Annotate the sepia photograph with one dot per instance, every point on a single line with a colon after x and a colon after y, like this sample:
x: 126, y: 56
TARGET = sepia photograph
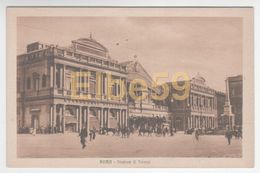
x: 124, y: 87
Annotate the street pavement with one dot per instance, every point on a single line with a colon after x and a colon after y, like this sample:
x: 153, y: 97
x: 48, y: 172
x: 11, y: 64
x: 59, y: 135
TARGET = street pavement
x: 180, y: 145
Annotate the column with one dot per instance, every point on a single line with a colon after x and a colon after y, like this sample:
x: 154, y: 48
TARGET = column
x: 61, y: 77
x: 121, y: 119
x: 54, y: 75
x: 64, y: 79
x: 54, y: 118
x: 118, y: 118
x: 191, y: 121
x: 80, y: 118
x: 88, y: 77
x: 101, y: 83
x: 105, y: 85
x: 51, y: 118
x: 51, y: 76
x: 77, y: 115
x: 197, y: 121
x: 108, y: 117
x: 191, y: 126
x: 63, y: 118
x: 126, y: 98
x: 87, y: 118
x: 119, y: 89
x: 191, y: 100
x: 199, y: 124
x: 126, y: 118
x: 108, y: 87
x: 79, y: 81
x: 104, y: 117
x: 188, y: 122
x: 101, y: 112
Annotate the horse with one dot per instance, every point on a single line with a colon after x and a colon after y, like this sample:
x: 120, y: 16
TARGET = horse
x: 143, y: 131
x: 237, y: 134
x: 125, y: 132
x: 106, y: 130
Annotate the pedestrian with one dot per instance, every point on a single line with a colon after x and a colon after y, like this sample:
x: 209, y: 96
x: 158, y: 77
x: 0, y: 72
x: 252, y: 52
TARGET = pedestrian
x: 94, y: 133
x: 228, y: 135
x: 171, y: 131
x: 34, y: 131
x: 90, y: 135
x: 83, y: 135
x: 197, y: 134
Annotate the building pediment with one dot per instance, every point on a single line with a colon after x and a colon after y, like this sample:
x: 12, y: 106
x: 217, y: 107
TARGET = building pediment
x: 136, y: 71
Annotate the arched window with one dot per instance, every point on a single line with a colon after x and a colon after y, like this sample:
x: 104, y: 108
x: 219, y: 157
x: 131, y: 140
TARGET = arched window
x: 43, y: 81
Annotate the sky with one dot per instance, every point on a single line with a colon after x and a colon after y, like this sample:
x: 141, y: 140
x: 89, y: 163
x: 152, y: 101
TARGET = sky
x: 209, y: 46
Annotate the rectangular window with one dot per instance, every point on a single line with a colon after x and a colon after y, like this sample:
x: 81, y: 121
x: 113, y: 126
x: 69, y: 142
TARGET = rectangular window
x: 18, y: 85
x: 43, y: 81
x: 57, y: 78
x: 28, y: 83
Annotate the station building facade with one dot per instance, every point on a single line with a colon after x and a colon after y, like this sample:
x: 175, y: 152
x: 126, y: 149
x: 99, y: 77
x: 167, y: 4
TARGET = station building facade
x: 147, y: 107
x: 47, y: 98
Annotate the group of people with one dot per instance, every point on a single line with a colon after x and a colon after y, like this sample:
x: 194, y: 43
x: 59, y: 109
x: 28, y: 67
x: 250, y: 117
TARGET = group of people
x: 228, y: 134
x: 119, y: 131
x: 158, y: 130
x: 236, y: 132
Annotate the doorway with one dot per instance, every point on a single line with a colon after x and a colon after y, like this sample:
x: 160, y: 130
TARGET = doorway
x: 35, y: 121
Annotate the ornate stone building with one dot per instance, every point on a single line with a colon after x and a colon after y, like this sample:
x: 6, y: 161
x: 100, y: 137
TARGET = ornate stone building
x: 236, y: 97
x: 232, y: 115
x: 49, y: 100
x: 197, y: 110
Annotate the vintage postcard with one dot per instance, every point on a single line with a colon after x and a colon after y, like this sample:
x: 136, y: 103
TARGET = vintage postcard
x: 130, y: 87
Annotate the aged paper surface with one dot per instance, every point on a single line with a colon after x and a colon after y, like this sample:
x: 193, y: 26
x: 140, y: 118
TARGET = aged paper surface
x: 130, y: 87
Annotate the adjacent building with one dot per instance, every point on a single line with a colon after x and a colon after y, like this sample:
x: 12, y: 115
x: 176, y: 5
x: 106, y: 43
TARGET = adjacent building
x: 236, y: 97
x: 197, y: 110
x: 234, y: 102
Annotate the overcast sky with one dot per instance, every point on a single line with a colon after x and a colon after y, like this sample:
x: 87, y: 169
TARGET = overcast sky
x: 210, y: 46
